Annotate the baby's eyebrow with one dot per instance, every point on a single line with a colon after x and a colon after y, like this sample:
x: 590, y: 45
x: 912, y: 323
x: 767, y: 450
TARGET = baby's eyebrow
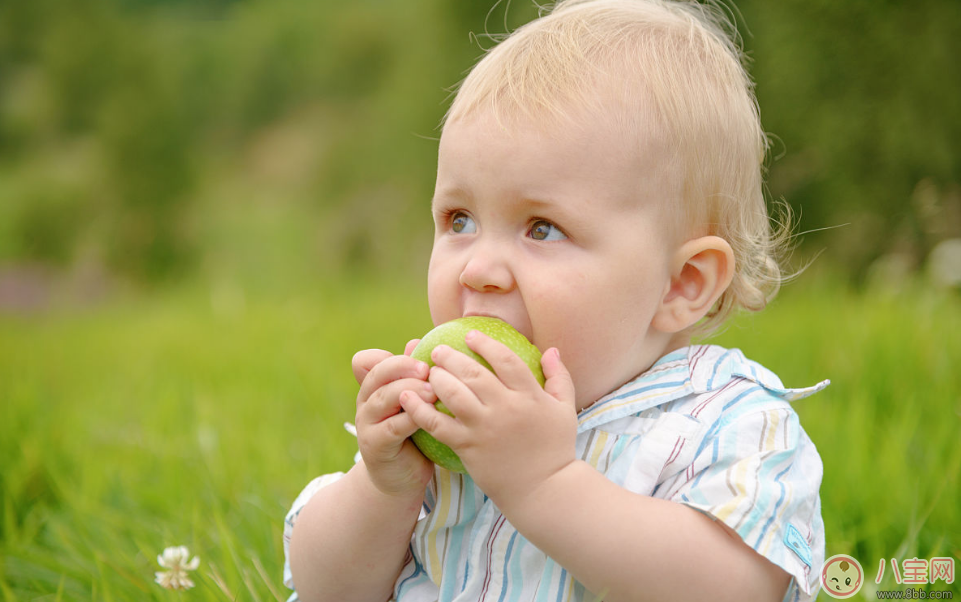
x: 450, y: 195
x: 556, y: 208
x: 539, y: 203
x: 536, y: 203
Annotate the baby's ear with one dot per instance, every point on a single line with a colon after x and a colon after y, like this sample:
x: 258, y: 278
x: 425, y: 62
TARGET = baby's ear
x: 701, y: 271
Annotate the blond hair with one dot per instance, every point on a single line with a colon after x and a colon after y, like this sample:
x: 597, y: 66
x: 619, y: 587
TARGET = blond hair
x: 677, y: 58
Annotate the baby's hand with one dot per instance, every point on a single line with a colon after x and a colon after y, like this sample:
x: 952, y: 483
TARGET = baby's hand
x: 510, y: 433
x: 395, y: 465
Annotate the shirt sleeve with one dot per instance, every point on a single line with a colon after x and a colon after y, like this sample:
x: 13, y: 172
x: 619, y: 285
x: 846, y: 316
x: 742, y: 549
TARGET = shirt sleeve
x: 291, y: 519
x: 759, y: 474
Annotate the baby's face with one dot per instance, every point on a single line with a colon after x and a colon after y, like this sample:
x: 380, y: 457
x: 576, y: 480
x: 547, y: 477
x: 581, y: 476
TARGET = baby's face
x: 560, y: 232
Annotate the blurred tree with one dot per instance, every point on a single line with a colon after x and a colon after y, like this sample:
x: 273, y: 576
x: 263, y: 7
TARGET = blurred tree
x: 863, y: 98
x: 45, y: 230
x: 144, y: 128
x: 103, y: 79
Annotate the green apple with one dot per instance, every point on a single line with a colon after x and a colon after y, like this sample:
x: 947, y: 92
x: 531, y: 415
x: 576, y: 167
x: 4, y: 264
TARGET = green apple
x: 452, y: 334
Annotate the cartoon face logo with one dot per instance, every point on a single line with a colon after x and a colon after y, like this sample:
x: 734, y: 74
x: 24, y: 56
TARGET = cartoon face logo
x: 841, y: 576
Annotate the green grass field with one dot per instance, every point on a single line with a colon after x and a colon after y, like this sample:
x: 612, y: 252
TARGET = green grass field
x: 194, y: 419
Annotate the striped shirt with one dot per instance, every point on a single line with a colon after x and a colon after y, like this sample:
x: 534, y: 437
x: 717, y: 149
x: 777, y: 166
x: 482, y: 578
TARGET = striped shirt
x: 704, y: 427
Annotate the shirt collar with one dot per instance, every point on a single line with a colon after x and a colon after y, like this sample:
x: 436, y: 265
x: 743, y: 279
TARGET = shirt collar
x: 668, y: 379
x: 690, y: 370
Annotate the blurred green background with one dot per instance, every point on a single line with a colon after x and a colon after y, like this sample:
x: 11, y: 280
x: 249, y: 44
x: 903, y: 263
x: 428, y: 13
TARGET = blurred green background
x: 206, y: 206
x: 264, y: 143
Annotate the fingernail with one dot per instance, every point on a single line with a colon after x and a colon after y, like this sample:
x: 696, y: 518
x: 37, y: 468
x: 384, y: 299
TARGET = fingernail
x: 471, y: 334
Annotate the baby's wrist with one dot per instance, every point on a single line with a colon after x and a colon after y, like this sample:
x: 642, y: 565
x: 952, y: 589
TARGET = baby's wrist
x: 530, y: 497
x: 393, y: 490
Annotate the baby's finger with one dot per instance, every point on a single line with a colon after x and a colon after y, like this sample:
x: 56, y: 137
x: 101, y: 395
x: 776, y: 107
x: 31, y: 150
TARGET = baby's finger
x: 457, y: 396
x: 471, y: 373
x: 392, y: 431
x: 395, y: 367
x: 559, y: 383
x: 385, y: 401
x: 409, y: 349
x: 509, y: 367
x: 383, y: 443
x: 438, y: 424
x: 364, y: 361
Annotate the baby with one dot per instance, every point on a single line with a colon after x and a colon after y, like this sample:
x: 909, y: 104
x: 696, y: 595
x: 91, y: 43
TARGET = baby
x: 599, y: 188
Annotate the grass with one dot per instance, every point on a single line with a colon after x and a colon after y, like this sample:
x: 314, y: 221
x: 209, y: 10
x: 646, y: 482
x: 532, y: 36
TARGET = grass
x: 192, y: 418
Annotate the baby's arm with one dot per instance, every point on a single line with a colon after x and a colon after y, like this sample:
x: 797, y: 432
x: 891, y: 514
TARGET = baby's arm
x: 351, y: 540
x: 627, y: 546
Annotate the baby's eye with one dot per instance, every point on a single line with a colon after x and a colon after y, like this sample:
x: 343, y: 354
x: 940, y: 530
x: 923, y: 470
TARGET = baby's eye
x: 461, y: 223
x: 544, y: 230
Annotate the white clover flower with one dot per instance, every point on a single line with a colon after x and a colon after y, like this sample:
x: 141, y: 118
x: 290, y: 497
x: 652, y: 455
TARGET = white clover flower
x: 174, y: 559
x: 350, y: 428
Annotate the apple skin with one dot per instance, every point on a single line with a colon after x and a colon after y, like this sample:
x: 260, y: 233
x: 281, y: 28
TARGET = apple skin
x: 453, y: 334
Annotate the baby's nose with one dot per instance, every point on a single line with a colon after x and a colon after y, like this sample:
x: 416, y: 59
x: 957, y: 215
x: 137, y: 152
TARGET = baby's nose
x: 488, y: 270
